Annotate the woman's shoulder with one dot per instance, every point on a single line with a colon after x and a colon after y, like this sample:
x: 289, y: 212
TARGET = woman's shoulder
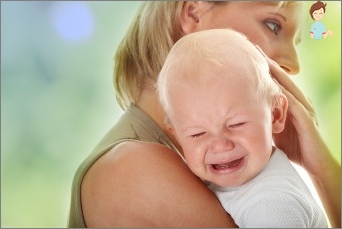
x: 140, y: 184
x: 133, y: 159
x: 139, y: 153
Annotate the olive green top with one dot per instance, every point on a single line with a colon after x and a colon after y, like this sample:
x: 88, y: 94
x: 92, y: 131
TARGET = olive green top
x: 134, y: 124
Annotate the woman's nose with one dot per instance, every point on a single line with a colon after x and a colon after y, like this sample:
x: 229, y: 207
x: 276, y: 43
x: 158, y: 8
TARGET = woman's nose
x: 221, y: 144
x: 288, y: 60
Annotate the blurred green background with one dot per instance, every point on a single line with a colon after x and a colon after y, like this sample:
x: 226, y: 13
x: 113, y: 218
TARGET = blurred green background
x: 57, y: 98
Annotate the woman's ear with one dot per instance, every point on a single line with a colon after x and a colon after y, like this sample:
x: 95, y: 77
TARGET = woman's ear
x: 190, y: 17
x: 279, y: 113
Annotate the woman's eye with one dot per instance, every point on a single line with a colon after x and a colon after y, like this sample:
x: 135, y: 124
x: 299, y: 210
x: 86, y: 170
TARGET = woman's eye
x: 275, y: 27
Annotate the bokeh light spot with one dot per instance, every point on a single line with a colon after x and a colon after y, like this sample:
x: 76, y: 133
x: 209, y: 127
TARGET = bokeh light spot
x: 73, y: 21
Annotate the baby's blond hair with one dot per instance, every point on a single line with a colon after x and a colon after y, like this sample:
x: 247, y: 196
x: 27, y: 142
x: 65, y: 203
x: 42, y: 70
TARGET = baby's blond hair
x: 198, y: 55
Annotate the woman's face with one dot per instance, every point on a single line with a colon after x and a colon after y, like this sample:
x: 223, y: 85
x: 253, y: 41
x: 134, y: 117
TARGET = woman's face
x: 272, y: 28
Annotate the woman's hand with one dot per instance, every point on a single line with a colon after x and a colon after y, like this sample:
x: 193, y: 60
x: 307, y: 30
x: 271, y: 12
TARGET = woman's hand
x: 304, y: 145
x: 300, y: 140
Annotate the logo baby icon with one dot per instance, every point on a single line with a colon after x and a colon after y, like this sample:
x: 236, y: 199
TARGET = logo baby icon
x: 318, y: 29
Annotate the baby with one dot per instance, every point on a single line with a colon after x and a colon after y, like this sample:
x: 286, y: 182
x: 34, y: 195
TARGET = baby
x: 223, y: 107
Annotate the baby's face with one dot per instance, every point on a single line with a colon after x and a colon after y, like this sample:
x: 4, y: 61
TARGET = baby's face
x: 224, y: 129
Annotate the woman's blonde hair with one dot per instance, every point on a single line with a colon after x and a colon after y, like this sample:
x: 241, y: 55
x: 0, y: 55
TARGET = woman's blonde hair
x: 143, y: 50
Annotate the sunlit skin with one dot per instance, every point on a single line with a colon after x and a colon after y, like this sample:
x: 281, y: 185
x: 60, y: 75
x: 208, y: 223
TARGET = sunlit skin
x: 220, y: 122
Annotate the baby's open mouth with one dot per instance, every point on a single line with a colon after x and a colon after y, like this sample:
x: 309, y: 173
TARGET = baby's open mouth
x: 229, y: 165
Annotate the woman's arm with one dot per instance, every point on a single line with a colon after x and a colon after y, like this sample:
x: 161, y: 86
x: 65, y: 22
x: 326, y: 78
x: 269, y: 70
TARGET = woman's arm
x: 139, y: 184
x: 303, y: 144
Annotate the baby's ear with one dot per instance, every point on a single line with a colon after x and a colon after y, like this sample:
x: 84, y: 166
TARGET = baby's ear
x: 279, y: 113
x: 169, y: 128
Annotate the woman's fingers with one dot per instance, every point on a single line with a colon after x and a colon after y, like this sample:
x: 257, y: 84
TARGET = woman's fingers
x: 284, y: 79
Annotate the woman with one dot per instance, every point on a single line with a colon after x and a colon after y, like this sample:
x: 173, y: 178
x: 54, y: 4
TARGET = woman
x: 136, y: 177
